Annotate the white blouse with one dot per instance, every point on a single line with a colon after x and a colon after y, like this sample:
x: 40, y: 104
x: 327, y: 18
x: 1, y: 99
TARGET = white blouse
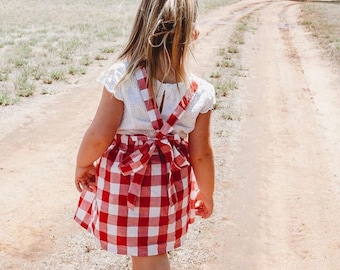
x: 135, y: 119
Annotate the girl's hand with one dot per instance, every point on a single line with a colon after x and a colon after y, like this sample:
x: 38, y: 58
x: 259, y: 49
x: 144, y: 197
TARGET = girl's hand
x: 204, y: 206
x: 85, y: 178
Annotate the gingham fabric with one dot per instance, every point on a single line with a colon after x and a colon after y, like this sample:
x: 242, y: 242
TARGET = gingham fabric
x: 145, y: 194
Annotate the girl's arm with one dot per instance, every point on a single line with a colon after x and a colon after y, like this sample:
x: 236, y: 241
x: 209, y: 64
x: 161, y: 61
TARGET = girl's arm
x: 97, y: 139
x: 202, y: 160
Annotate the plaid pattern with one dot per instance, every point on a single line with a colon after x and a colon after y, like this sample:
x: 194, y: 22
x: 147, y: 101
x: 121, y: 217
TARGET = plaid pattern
x: 154, y: 114
x: 145, y: 194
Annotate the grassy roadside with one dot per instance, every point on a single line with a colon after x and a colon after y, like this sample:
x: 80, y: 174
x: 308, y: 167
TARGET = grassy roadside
x: 205, y: 5
x: 322, y: 19
x: 44, y: 44
x: 229, y: 70
x: 47, y: 44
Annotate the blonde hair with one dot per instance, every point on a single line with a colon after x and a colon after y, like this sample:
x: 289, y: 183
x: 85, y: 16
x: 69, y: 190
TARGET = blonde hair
x: 163, y: 30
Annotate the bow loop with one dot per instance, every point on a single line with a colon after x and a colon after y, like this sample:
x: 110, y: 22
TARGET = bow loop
x: 137, y: 160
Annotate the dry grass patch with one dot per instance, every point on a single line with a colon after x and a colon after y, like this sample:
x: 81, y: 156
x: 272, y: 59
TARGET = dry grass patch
x: 323, y: 21
x: 211, y: 4
x: 43, y: 44
x: 229, y: 69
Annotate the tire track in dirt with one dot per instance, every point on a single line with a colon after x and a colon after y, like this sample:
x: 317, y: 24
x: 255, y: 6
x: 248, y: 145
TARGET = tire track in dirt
x: 37, y: 166
x: 216, y: 28
x: 315, y: 221
x: 284, y: 194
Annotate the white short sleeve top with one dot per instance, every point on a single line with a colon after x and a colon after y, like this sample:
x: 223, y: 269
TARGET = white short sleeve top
x: 135, y: 119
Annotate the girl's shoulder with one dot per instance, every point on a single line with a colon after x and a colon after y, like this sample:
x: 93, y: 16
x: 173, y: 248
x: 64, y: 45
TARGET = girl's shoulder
x: 116, y: 70
x: 119, y: 66
x: 204, y: 97
x: 112, y: 76
x: 203, y: 86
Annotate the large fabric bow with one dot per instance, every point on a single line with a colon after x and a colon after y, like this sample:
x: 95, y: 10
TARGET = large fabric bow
x: 136, y: 164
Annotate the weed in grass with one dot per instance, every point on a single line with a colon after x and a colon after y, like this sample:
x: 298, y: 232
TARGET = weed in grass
x: 82, y: 70
x: 6, y: 69
x: 18, y: 61
x: 86, y: 60
x: 229, y: 115
x: 99, y: 57
x: 239, y: 41
x: 65, y: 56
x: 58, y: 75
x: 47, y: 80
x: 6, y: 99
x: 108, y: 50
x: 243, y: 26
x: 230, y: 85
x: 306, y: 23
x: 233, y: 50
x: 76, y: 70
x: 238, y: 73
x: 224, y: 87
x: 34, y: 71
x: 3, y: 77
x: 215, y: 75
x: 237, y: 37
x: 44, y: 91
x: 72, y: 70
x: 24, y: 87
x: 224, y: 53
x: 32, y: 41
x: 226, y: 64
x: 9, y: 42
x: 23, y: 49
x: 221, y: 51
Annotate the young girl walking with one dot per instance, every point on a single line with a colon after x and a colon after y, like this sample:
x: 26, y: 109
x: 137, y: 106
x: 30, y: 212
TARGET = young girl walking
x: 145, y: 165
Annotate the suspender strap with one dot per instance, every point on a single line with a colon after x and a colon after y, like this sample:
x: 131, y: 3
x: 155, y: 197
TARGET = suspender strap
x: 153, y: 111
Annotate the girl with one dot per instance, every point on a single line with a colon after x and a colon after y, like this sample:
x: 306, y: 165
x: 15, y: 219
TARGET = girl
x: 151, y: 135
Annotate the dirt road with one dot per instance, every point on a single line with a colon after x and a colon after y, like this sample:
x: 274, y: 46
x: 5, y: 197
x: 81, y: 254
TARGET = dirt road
x: 278, y: 173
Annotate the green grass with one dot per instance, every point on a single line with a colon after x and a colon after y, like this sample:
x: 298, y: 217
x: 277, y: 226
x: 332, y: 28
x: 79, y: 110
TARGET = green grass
x: 49, y: 41
x: 226, y: 63
x: 45, y: 42
x: 323, y: 22
x: 224, y: 87
x: 229, y: 68
x: 206, y: 5
x: 6, y: 99
x: 23, y: 86
x: 231, y: 115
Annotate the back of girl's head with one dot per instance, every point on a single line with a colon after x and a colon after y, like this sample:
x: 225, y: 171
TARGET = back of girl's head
x: 163, y: 29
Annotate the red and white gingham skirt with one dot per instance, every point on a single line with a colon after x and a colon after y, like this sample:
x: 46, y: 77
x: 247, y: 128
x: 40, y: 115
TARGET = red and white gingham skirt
x: 154, y: 225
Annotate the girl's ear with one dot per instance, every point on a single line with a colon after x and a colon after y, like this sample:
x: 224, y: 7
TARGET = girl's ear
x: 195, y: 34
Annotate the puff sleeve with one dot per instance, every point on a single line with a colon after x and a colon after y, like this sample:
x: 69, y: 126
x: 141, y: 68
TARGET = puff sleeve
x: 110, y: 78
x: 205, y: 96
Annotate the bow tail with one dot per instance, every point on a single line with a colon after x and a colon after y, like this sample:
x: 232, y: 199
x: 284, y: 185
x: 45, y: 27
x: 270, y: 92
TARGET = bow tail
x: 178, y: 163
x: 136, y: 166
x: 135, y: 189
x: 172, y: 194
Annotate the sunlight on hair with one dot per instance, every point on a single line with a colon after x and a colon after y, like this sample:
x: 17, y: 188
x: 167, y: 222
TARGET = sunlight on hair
x: 160, y: 40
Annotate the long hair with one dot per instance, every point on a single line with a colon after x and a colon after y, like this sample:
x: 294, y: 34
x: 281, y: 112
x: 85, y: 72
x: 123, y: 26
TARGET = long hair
x: 162, y: 30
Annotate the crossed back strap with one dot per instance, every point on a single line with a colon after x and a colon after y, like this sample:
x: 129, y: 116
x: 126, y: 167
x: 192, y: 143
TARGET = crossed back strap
x: 153, y: 111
